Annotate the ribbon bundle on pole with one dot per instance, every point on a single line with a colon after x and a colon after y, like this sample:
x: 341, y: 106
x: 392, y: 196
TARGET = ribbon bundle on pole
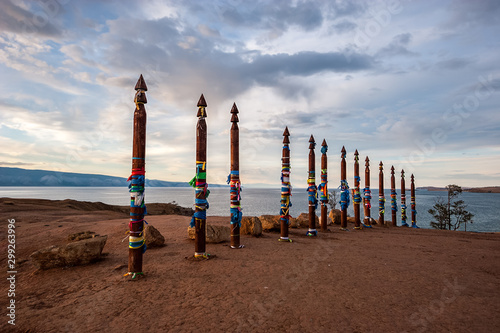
x: 381, y: 196
x: 286, y: 188
x: 367, y: 195
x: 344, y: 191
x: 322, y: 188
x: 137, y: 244
x: 234, y: 180
x: 312, y: 189
x: 394, y: 200
x: 403, y: 200
x: 356, y: 196
x: 413, y: 204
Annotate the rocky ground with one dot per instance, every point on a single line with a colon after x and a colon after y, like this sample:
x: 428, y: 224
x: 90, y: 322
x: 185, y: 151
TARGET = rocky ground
x: 378, y: 280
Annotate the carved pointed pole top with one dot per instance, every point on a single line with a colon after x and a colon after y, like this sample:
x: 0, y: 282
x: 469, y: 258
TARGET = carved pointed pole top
x: 392, y: 170
x: 381, y: 166
x: 234, y: 114
x: 343, y: 152
x: 367, y: 161
x: 356, y: 156
x: 234, y: 109
x: 402, y: 173
x: 141, y: 84
x: 286, y: 134
x: 202, y: 104
x: 412, y: 178
x: 312, y: 143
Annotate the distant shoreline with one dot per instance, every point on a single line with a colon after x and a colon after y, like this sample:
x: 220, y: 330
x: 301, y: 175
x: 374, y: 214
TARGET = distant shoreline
x: 488, y: 189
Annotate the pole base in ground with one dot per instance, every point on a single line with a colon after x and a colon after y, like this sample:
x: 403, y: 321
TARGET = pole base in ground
x: 414, y: 225
x: 405, y: 225
x: 312, y: 232
x: 135, y: 275
x: 284, y: 239
x: 237, y: 247
x: 202, y: 256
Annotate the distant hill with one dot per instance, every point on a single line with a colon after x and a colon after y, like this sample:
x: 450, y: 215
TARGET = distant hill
x: 24, y: 177
x: 489, y: 189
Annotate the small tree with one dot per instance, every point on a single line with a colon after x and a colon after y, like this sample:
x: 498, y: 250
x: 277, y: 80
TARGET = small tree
x: 333, y: 199
x: 451, y: 214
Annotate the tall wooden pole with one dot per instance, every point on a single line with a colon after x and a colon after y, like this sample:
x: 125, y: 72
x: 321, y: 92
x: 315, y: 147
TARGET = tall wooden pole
x: 356, y: 196
x: 403, y: 200
x: 311, y: 189
x: 234, y: 180
x: 381, y: 196
x: 344, y: 191
x: 413, y: 204
x: 367, y: 195
x: 286, y: 188
x: 137, y: 244
x: 201, y: 186
x: 323, y: 187
x: 394, y: 202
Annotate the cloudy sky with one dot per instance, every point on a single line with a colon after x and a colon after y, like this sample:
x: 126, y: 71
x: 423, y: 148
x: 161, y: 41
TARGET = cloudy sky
x: 414, y: 84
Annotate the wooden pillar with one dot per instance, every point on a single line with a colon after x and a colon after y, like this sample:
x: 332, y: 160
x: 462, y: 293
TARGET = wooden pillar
x: 137, y: 244
x: 323, y: 187
x: 413, y: 204
x: 367, y: 195
x: 201, y: 186
x: 311, y: 189
x: 356, y: 195
x: 234, y: 180
x: 403, y: 200
x: 286, y: 188
x: 381, y: 196
x: 344, y: 191
x: 394, y: 202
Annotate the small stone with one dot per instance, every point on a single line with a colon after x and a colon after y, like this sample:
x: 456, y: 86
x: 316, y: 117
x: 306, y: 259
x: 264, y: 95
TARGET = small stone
x: 335, y: 216
x: 270, y: 222
x: 251, y: 225
x: 153, y: 237
x: 303, y: 221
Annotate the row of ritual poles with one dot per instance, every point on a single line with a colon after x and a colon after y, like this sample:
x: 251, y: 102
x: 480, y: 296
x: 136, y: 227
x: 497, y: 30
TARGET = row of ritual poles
x: 321, y: 191
x: 137, y: 245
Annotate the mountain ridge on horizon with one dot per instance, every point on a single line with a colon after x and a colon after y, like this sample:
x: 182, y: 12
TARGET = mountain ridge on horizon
x: 10, y: 176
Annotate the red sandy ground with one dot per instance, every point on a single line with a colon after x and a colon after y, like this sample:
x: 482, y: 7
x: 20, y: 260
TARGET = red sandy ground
x: 379, y: 280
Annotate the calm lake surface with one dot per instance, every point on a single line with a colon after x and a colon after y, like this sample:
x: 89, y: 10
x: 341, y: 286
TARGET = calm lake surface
x: 256, y: 202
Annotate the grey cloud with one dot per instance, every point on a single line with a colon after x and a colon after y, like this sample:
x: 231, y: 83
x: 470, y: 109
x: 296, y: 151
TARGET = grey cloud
x: 466, y: 12
x: 454, y: 63
x: 397, y: 47
x: 37, y: 20
x: 344, y: 26
x: 274, y: 15
x: 190, y: 62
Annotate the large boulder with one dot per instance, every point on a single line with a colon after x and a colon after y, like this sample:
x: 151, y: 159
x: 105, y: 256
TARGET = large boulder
x: 270, y: 222
x: 251, y: 225
x: 335, y: 216
x: 302, y: 221
x: 153, y: 237
x: 214, y: 233
x: 81, y: 252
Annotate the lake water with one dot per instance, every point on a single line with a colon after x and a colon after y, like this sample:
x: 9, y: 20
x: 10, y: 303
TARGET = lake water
x: 256, y: 202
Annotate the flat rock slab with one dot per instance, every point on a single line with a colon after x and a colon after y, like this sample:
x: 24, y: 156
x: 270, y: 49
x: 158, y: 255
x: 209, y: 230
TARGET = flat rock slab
x: 76, y: 253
